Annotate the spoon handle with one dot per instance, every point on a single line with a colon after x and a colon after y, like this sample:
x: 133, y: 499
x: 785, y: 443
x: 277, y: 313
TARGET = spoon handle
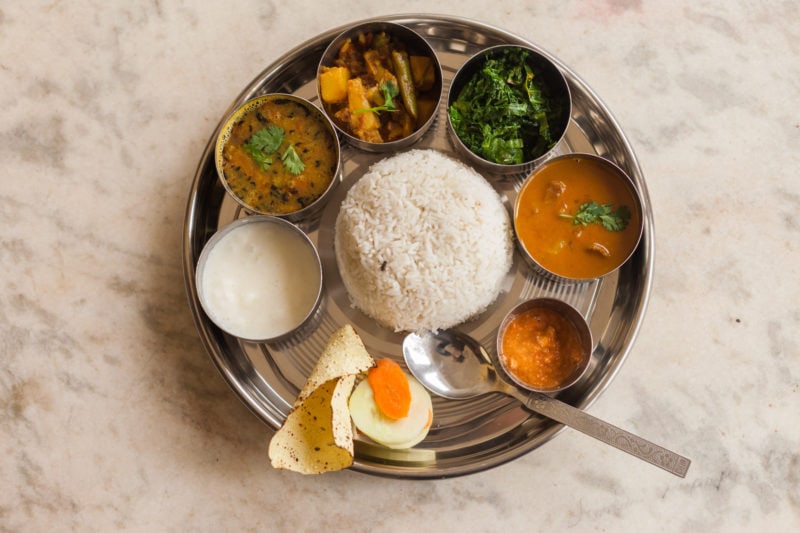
x: 608, y: 433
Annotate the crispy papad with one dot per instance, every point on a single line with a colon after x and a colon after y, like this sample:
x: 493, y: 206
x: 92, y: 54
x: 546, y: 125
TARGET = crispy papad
x: 317, y: 436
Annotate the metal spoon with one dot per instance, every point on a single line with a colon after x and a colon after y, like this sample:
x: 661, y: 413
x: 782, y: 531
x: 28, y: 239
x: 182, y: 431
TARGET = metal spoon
x: 453, y: 365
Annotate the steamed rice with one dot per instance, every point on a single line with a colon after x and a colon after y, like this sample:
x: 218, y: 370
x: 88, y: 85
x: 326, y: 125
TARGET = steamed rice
x: 422, y: 242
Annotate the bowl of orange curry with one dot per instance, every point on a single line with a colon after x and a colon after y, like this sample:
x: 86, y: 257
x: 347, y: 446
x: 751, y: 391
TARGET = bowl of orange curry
x: 577, y: 217
x: 544, y: 345
x: 279, y: 155
x: 380, y: 83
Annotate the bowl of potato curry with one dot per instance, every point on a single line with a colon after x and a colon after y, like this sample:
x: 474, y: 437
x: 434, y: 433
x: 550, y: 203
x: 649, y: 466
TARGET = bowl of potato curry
x: 380, y: 83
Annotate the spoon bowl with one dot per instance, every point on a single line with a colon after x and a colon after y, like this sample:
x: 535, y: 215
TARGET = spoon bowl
x: 453, y: 365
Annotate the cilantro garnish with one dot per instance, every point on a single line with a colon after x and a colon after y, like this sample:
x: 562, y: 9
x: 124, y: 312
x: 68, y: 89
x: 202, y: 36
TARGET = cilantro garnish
x: 263, y: 143
x: 390, y: 90
x: 292, y: 162
x: 605, y: 214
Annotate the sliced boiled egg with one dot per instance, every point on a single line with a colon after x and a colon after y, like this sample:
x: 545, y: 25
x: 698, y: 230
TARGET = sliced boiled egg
x: 391, y: 430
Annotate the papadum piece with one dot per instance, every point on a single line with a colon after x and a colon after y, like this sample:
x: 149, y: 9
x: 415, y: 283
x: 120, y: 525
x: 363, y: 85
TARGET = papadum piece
x: 317, y: 435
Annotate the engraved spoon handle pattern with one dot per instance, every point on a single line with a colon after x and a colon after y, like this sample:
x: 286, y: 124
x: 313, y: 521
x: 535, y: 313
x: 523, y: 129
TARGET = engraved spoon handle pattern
x: 608, y: 433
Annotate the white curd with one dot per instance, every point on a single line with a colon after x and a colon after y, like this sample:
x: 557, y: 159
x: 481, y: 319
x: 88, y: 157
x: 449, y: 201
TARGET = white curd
x: 260, y: 280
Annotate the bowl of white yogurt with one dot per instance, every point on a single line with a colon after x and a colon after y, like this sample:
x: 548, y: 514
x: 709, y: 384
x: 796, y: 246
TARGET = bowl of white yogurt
x: 259, y: 278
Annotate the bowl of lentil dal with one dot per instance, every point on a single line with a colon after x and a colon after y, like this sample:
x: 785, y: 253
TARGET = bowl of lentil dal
x: 278, y: 154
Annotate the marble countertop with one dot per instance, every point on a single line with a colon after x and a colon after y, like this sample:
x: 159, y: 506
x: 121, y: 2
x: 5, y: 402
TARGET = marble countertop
x: 112, y: 416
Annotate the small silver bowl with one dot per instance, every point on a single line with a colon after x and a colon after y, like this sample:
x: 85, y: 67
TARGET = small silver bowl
x: 556, y: 94
x: 302, y: 207
x: 414, y: 44
x: 569, y: 322
x: 259, y: 278
x: 537, y: 247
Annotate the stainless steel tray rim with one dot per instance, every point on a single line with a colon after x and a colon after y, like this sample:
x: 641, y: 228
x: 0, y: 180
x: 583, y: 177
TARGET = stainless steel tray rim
x: 273, y: 414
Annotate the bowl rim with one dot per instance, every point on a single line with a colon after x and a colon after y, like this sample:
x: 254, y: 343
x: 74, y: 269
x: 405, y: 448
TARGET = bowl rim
x: 226, y: 230
x: 616, y: 170
x: 224, y: 135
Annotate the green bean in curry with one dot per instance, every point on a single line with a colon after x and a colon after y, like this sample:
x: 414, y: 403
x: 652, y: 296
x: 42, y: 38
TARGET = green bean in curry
x: 360, y: 90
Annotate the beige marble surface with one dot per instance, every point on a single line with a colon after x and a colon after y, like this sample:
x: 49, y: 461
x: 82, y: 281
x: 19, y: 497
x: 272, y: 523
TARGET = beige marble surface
x: 112, y: 417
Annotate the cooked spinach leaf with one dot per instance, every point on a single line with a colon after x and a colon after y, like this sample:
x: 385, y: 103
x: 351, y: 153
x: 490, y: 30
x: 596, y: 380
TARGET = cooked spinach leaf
x: 501, y: 113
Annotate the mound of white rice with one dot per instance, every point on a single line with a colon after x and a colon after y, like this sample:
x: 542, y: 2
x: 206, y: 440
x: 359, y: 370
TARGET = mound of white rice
x: 422, y: 242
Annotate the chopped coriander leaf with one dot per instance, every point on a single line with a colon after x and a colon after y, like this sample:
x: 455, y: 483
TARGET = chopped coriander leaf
x: 263, y: 161
x: 390, y: 90
x: 605, y: 214
x: 292, y: 162
x: 263, y: 143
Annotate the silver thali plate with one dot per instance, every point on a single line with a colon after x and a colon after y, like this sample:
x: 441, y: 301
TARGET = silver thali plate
x: 470, y: 435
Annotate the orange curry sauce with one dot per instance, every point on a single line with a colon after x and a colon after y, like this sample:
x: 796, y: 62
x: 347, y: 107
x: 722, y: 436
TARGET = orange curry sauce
x: 569, y: 250
x: 541, y: 348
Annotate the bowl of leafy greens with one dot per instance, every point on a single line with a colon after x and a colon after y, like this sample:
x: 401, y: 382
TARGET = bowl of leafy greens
x: 508, y: 107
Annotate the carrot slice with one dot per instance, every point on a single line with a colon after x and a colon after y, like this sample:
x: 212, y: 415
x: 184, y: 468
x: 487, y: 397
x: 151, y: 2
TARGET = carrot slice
x: 390, y: 388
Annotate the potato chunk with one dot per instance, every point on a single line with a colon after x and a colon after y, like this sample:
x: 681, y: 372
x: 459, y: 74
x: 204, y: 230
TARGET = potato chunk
x: 365, y: 124
x: 422, y: 72
x: 333, y: 84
